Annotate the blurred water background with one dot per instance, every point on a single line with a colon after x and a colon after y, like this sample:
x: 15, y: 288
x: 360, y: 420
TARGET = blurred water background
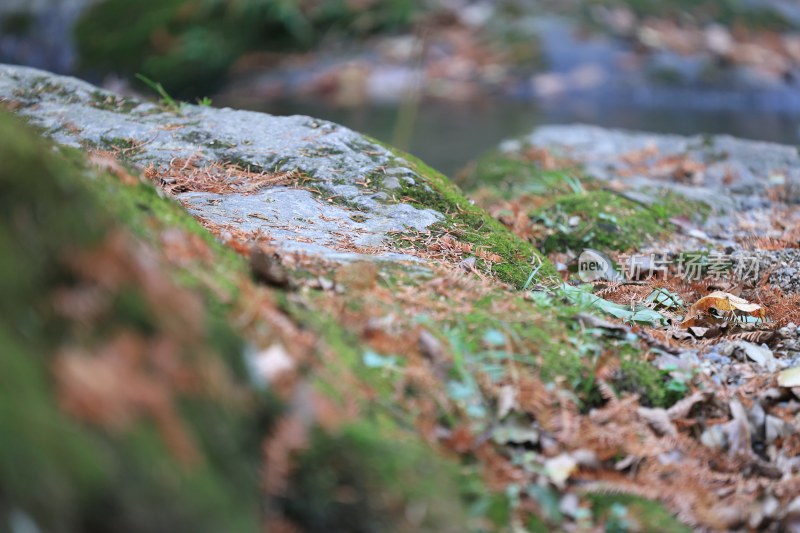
x: 444, y: 79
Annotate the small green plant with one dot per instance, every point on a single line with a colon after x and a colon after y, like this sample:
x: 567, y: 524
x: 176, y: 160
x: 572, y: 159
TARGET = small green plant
x: 533, y: 274
x: 204, y: 101
x: 678, y: 381
x: 166, y: 100
x: 574, y: 183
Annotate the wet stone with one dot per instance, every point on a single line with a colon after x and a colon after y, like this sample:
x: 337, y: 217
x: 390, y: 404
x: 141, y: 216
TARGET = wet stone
x: 314, y: 218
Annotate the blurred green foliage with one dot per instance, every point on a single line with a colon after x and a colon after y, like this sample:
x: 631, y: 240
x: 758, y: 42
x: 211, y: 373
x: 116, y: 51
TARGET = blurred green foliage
x: 188, y: 45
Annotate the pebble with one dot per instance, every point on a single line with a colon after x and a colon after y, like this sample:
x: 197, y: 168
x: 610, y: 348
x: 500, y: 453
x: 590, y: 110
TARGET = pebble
x: 391, y: 183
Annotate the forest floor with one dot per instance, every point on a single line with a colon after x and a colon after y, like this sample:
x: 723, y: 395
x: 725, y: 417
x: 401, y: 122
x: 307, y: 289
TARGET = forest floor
x: 386, y: 313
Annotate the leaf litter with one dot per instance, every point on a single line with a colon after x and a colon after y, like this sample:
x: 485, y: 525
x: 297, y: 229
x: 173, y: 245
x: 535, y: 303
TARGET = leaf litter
x: 722, y: 457
x: 187, y: 175
x: 732, y: 348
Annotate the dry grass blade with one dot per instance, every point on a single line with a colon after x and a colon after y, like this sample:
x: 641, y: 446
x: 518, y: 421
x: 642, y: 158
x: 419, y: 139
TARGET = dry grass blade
x: 184, y: 175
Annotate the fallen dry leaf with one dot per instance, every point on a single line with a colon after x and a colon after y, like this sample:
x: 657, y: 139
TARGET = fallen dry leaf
x: 789, y: 377
x: 560, y: 468
x: 725, y: 302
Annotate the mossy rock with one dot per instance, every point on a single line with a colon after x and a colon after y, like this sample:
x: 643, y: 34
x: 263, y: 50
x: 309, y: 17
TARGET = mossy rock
x: 602, y: 220
x: 509, y: 175
x: 58, y: 469
x: 68, y: 472
x: 473, y: 225
x: 571, y: 211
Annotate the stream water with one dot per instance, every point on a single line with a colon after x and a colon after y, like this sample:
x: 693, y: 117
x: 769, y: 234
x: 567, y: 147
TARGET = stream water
x: 448, y: 136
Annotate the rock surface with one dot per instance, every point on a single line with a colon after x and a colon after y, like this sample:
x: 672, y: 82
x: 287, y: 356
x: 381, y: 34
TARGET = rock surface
x: 349, y: 200
x: 752, y: 187
x: 744, y: 169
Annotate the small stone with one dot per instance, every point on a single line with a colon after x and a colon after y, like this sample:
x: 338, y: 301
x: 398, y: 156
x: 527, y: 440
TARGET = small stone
x: 398, y: 171
x: 468, y: 264
x: 714, y: 438
x: 726, y: 348
x: 774, y: 428
x: 761, y: 355
x: 570, y: 505
x: 267, y: 268
x: 791, y: 520
x: 272, y: 363
x: 718, y: 39
x: 391, y: 183
x: 325, y: 284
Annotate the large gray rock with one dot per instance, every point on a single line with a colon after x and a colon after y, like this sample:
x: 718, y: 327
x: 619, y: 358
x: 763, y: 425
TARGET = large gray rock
x: 752, y: 186
x: 349, y: 208
x: 734, y: 172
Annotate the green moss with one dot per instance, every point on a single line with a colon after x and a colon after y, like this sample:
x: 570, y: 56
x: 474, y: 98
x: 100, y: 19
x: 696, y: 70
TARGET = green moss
x: 546, y: 338
x: 572, y: 211
x: 472, y: 224
x: 381, y: 450
x: 510, y: 175
x: 598, y: 219
x: 206, y: 139
x: 45, y: 464
x: 44, y: 85
x: 65, y: 473
x: 358, y: 467
x: 623, y: 513
x: 122, y: 144
x: 237, y: 160
x: 608, y: 221
x: 112, y: 102
x: 654, y: 386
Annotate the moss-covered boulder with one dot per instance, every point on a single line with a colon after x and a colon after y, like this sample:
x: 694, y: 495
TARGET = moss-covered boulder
x: 93, y: 433
x: 575, y: 187
x: 127, y: 402
x: 322, y: 189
